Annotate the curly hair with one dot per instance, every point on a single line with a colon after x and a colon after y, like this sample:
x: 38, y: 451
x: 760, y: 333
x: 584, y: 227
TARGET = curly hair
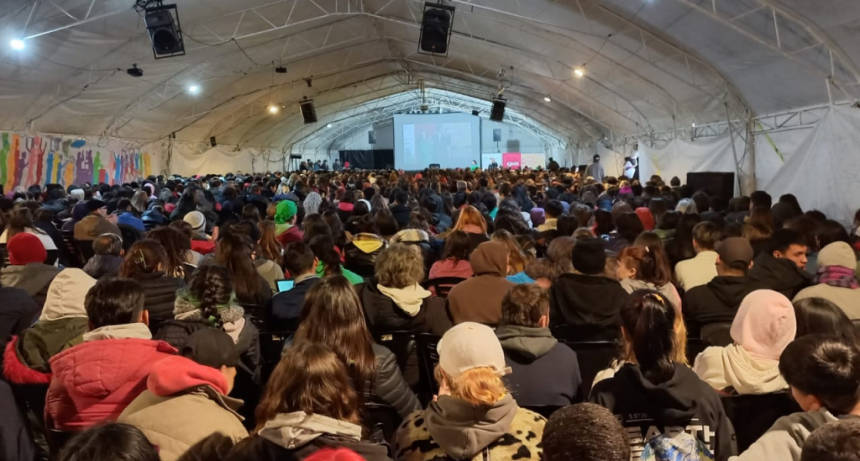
x: 399, y: 266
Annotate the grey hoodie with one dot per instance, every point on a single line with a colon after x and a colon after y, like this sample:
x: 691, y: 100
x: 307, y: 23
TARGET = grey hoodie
x: 784, y: 441
x: 462, y: 430
x: 529, y: 343
x: 34, y: 278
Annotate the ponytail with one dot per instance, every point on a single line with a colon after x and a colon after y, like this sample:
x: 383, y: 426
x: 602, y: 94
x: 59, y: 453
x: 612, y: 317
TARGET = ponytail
x: 649, y: 320
x: 650, y: 262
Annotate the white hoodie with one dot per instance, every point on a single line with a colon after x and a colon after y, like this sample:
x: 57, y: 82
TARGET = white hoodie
x: 733, y: 366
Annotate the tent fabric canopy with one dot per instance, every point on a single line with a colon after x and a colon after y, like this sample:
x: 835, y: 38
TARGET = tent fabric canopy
x: 649, y: 65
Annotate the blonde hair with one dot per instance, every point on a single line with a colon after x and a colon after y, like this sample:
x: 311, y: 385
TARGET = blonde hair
x: 399, y: 266
x: 478, y: 386
x: 470, y: 215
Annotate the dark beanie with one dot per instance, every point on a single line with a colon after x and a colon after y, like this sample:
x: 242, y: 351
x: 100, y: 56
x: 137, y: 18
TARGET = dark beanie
x: 589, y: 257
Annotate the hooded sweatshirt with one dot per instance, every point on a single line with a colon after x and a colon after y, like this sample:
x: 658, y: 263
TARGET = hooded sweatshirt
x: 780, y: 275
x: 544, y: 371
x: 652, y: 413
x: 61, y: 325
x: 590, y: 301
x: 479, y: 299
x: 34, y: 278
x: 715, y: 302
x: 784, y: 440
x: 764, y: 326
x: 457, y: 429
x: 297, y: 435
x: 184, y: 403
x: 837, y: 254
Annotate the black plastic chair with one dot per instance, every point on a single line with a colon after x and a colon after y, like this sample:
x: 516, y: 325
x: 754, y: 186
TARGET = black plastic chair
x: 718, y: 334
x: 592, y: 357
x: 753, y: 415
x: 402, y: 345
x: 695, y: 347
x: 52, y: 257
x: 428, y: 358
x: 129, y: 235
x: 382, y: 420
x: 271, y: 348
x: 442, y: 285
x: 85, y: 250
x: 72, y: 252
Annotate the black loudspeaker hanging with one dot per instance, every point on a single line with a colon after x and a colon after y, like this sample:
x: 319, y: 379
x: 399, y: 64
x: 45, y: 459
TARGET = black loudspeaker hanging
x: 309, y: 113
x: 165, y: 32
x: 497, y: 134
x: 497, y: 114
x: 371, y: 138
x: 436, y: 27
x: 212, y: 141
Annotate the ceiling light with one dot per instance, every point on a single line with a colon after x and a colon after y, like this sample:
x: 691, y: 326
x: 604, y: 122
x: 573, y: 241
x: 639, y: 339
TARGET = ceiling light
x: 17, y: 44
x: 193, y: 89
x: 579, y: 72
x: 547, y: 99
x: 273, y: 109
x: 328, y: 126
x: 694, y: 124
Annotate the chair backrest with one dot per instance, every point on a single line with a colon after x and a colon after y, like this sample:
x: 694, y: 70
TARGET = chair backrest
x: 442, y: 285
x: 4, y: 255
x: 129, y: 236
x: 53, y: 255
x: 695, y: 347
x: 271, y: 348
x: 592, y: 357
x: 428, y: 358
x: 85, y: 249
x: 382, y: 420
x: 401, y: 343
x: 753, y: 415
x: 718, y: 334
x: 74, y: 254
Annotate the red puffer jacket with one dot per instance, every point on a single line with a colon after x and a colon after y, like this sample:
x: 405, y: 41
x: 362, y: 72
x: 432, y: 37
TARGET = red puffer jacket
x: 95, y: 381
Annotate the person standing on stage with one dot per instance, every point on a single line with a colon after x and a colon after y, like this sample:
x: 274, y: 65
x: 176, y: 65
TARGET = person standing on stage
x: 336, y: 166
x: 595, y: 170
x: 629, y: 167
x: 493, y: 164
x: 474, y: 165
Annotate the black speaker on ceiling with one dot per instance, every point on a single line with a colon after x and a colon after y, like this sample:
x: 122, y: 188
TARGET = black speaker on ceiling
x: 212, y: 141
x: 165, y: 32
x: 309, y: 113
x: 719, y: 186
x: 497, y: 114
x: 436, y: 27
x: 371, y: 138
x: 497, y: 134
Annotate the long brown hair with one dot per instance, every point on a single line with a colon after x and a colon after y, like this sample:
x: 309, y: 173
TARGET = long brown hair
x: 310, y: 378
x: 20, y: 220
x: 234, y: 252
x: 332, y: 315
x: 175, y: 246
x: 144, y: 257
x: 269, y: 247
x: 517, y: 259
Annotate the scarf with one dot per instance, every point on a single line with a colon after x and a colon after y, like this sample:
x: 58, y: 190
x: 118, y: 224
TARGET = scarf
x: 837, y: 276
x: 409, y: 299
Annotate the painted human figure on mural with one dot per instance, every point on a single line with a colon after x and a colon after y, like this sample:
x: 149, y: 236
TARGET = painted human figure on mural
x: 20, y: 167
x: 62, y: 161
x: 37, y: 153
x: 98, y: 169
x: 84, y: 167
x: 117, y: 167
x: 12, y: 163
x: 4, y: 153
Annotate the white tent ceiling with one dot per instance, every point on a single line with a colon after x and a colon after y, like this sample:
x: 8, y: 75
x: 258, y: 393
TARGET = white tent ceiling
x: 650, y: 65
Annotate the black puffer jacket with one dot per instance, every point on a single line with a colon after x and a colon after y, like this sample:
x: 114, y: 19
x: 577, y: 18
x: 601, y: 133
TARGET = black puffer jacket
x: 160, y: 292
x: 383, y: 316
x: 390, y: 387
x: 360, y: 254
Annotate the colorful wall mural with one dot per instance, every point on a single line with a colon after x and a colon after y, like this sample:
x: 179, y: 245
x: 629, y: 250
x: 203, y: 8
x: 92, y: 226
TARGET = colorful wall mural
x: 26, y: 160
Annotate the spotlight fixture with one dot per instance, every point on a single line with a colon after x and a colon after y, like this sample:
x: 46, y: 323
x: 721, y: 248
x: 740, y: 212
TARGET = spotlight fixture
x: 193, y: 89
x: 17, y: 44
x: 694, y: 124
x: 274, y: 109
x: 436, y: 28
x: 280, y: 70
x: 476, y: 113
x: 328, y: 126
x: 165, y: 31
x: 547, y: 98
x: 134, y: 71
x: 309, y: 81
x: 579, y: 72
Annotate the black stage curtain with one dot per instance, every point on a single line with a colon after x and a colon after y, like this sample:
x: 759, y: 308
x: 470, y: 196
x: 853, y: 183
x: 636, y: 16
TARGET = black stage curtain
x: 378, y: 159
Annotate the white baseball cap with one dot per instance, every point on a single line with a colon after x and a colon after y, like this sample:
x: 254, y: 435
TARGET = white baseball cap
x: 471, y: 345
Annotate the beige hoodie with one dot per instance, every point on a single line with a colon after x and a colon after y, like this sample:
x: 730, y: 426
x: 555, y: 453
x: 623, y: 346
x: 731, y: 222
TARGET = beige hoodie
x: 733, y: 366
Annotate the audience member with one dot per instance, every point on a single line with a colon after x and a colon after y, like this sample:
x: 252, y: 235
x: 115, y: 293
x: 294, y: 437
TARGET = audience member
x: 479, y: 299
x: 473, y: 224
x: 186, y: 397
x: 109, y: 442
x: 286, y: 229
x: 27, y: 269
x: 95, y: 380
x: 309, y: 404
x: 474, y: 412
x: 823, y: 373
x: 763, y: 327
x: 144, y: 263
x: 332, y: 315
x: 646, y: 268
x: 836, y: 441
x: 782, y: 267
x: 836, y: 280
x: 361, y: 252
x: 96, y: 222
x: 285, y: 307
x: 455, y: 258
x: 585, y: 299
x: 177, y: 251
x: 235, y: 252
x: 126, y: 216
x: 584, y: 432
x: 553, y: 211
x: 545, y: 372
x: 702, y: 269
x: 108, y: 256
x: 647, y: 324
x: 718, y: 300
x: 820, y: 316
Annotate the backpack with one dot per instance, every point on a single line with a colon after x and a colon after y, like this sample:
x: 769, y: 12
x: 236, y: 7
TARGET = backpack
x: 678, y: 447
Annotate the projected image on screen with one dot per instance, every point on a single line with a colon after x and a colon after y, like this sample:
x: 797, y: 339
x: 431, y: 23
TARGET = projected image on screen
x: 450, y: 140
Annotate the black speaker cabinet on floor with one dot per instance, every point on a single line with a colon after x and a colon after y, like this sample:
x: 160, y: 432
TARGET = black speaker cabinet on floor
x: 719, y: 186
x: 309, y: 113
x: 436, y: 27
x: 497, y: 114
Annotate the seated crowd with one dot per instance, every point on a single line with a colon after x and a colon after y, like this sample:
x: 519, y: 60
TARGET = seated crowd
x: 441, y: 315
